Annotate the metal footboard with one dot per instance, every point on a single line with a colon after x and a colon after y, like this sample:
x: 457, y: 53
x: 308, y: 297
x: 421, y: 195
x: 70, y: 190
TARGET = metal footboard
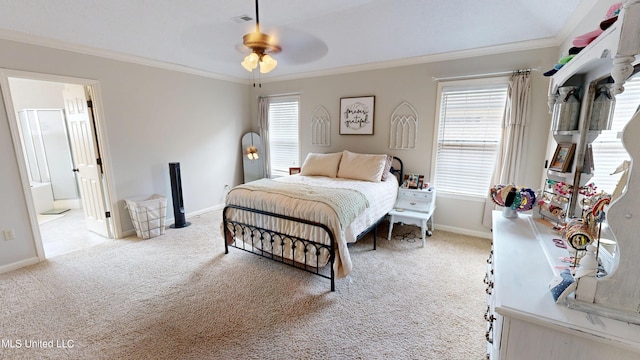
x: 235, y: 232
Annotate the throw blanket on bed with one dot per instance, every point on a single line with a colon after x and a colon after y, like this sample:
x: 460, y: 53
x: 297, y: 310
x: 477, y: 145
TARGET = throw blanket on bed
x: 347, y: 203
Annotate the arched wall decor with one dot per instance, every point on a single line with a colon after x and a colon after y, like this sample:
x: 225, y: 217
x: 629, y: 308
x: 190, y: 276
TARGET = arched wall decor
x: 320, y: 127
x: 403, y: 131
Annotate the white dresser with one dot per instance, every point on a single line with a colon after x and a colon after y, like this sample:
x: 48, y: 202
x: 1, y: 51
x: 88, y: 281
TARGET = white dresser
x: 414, y: 207
x: 523, y: 321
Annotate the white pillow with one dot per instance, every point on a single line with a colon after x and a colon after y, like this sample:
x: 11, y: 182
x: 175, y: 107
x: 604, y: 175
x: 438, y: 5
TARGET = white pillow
x: 367, y: 167
x: 321, y: 164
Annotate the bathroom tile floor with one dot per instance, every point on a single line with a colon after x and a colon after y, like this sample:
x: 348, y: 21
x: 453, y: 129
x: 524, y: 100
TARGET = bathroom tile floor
x: 67, y: 233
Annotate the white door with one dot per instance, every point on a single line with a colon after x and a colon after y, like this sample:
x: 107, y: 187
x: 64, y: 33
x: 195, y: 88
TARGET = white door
x: 85, y: 157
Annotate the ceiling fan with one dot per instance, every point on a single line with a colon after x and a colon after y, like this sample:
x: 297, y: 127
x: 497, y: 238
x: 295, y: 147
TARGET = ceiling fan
x: 299, y: 47
x: 261, y: 46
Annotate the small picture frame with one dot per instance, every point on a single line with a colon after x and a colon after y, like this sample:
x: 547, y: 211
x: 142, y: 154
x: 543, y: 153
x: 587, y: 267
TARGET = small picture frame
x: 562, y: 157
x: 294, y: 170
x: 413, y: 181
x: 357, y: 115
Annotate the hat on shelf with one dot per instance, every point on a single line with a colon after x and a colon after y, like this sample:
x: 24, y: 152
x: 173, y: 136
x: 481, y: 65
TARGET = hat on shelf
x: 610, y: 18
x: 581, y: 41
x: 575, y: 50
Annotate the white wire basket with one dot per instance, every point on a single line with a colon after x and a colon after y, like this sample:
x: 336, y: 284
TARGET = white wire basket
x: 148, y: 215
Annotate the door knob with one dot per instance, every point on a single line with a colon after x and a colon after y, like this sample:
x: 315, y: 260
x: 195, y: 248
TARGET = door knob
x: 76, y: 170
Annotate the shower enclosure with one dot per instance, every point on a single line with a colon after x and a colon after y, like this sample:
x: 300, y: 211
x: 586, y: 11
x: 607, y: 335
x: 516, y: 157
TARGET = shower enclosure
x: 45, y: 142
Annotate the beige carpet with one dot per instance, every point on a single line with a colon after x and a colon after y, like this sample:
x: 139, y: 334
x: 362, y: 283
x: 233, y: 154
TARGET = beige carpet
x: 178, y: 296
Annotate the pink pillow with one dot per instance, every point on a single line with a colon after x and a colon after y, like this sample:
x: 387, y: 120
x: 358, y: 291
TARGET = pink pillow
x: 387, y: 168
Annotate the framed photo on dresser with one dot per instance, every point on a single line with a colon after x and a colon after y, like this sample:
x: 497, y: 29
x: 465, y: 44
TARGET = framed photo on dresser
x: 562, y: 157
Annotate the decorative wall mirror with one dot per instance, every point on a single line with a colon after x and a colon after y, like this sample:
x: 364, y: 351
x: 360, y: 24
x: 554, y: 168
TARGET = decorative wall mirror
x: 252, y: 157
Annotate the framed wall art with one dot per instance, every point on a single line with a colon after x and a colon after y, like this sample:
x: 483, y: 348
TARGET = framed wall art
x: 356, y: 115
x: 562, y: 158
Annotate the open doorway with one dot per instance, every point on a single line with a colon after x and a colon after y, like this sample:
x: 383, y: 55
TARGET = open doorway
x: 54, y: 136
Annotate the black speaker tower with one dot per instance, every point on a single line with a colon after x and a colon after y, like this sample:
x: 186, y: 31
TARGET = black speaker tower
x: 176, y: 194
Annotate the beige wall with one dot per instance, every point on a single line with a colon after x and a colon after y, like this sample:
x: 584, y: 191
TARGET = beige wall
x: 151, y: 117
x: 415, y: 85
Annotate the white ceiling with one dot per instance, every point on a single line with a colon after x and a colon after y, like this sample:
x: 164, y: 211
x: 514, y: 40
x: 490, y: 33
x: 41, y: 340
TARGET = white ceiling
x: 316, y: 36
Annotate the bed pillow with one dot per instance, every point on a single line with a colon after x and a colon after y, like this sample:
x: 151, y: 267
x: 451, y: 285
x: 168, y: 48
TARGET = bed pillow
x: 387, y: 168
x: 321, y: 164
x: 367, y: 167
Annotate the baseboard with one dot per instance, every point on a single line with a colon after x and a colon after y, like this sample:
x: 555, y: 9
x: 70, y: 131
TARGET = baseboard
x: 171, y: 220
x: 18, y: 264
x: 127, y: 233
x: 204, y: 211
x: 462, y: 231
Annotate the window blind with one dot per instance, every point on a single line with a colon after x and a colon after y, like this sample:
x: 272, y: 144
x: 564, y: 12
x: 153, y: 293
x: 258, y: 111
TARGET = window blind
x: 469, y: 131
x: 608, y: 151
x: 283, y: 134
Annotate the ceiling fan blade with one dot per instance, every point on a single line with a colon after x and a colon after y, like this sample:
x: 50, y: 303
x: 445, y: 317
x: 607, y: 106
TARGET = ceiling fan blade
x: 241, y: 48
x: 299, y: 47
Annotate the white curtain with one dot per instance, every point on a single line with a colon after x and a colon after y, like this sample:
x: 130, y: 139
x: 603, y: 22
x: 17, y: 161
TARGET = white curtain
x: 507, y: 168
x: 263, y: 124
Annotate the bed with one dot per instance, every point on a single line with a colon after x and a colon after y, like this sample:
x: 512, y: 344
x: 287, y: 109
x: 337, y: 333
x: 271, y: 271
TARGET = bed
x: 309, y: 219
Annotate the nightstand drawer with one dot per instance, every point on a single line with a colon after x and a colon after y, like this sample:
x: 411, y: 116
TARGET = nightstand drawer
x: 415, y: 194
x: 415, y: 200
x: 421, y: 205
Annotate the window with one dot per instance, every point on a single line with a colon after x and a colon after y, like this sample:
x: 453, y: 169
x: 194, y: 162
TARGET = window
x: 608, y: 151
x: 283, y: 134
x: 469, y: 131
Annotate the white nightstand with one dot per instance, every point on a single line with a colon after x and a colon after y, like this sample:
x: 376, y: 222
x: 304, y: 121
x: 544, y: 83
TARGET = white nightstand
x: 414, y: 207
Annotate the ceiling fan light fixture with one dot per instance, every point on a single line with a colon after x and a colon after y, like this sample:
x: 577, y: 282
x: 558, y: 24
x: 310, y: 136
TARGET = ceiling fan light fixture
x: 260, y: 44
x: 267, y: 63
x: 250, y: 62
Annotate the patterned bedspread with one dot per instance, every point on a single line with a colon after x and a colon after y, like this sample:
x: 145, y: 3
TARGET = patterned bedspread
x: 347, y: 203
x: 379, y: 196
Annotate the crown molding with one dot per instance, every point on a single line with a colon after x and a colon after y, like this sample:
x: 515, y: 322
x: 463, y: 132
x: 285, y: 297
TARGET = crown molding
x: 108, y: 54
x: 447, y: 56
x: 453, y: 55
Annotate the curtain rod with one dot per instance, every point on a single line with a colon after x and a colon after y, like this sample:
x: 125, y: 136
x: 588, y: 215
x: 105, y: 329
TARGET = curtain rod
x: 476, y: 76
x: 283, y: 94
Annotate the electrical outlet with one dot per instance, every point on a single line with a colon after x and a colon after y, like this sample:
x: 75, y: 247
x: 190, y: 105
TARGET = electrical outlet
x: 8, y: 234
